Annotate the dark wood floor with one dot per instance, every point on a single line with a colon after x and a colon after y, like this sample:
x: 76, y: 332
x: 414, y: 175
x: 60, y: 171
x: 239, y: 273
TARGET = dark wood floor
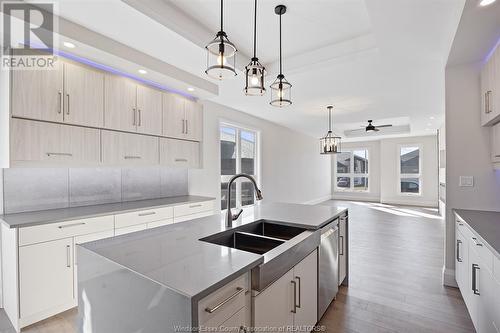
x: 396, y: 260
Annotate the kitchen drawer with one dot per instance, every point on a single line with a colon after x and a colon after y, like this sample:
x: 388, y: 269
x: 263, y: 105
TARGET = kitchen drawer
x: 144, y: 216
x: 128, y: 230
x: 485, y: 255
x: 234, y: 323
x: 160, y: 223
x: 192, y: 216
x: 193, y: 208
x: 223, y: 303
x: 47, y: 232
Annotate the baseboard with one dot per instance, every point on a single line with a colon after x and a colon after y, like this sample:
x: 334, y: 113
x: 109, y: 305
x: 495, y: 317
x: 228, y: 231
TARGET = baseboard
x: 339, y: 196
x: 417, y: 203
x: 449, y: 277
x: 318, y: 200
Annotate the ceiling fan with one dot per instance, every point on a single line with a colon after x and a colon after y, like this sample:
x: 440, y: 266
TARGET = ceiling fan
x: 373, y: 128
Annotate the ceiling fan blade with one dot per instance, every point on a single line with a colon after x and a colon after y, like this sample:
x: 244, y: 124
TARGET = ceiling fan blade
x: 384, y: 126
x: 376, y: 129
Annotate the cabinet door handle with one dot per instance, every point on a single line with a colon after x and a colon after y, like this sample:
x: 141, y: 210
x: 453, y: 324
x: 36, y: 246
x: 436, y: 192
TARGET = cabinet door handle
x: 187, y: 129
x: 238, y: 291
x: 194, y: 206
x: 132, y: 157
x: 183, y: 127
x: 134, y: 122
x: 341, y: 245
x: 147, y: 213
x: 60, y: 154
x: 488, y: 100
x: 140, y: 117
x: 71, y: 225
x: 458, y: 250
x: 294, y: 310
x: 67, y: 104
x: 475, y: 268
x: 300, y: 292
x: 68, y: 256
x: 181, y: 160
x: 59, y: 110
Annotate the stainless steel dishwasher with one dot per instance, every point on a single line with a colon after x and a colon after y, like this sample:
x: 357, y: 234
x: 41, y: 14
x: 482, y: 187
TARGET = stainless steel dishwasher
x: 328, y: 266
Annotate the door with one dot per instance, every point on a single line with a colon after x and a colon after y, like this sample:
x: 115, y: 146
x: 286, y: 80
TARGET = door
x: 120, y: 111
x: 489, y: 111
x: 342, y: 250
x: 461, y: 258
x: 486, y: 305
x: 83, y: 96
x: 472, y: 288
x: 129, y: 149
x: 149, y: 110
x: 273, y: 306
x: 179, y: 153
x: 306, y: 275
x: 45, y: 276
x: 174, y: 116
x: 194, y: 120
x: 37, y: 94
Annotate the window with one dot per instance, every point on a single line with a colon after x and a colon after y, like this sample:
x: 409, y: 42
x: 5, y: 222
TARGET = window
x: 409, y: 170
x: 238, y: 154
x: 352, y: 170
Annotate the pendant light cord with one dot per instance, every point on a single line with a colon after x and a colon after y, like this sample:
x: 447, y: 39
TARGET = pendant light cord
x: 281, y: 66
x: 221, y: 15
x: 255, y: 32
x: 329, y: 119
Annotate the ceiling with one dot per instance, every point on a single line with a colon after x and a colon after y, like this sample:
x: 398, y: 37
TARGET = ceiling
x: 374, y: 59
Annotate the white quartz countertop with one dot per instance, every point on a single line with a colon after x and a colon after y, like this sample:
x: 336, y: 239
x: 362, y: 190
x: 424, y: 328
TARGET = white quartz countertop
x: 174, y: 256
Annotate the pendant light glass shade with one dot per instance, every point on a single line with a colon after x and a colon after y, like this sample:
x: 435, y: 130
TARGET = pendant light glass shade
x: 281, y: 89
x: 255, y: 72
x: 330, y: 143
x: 221, y: 54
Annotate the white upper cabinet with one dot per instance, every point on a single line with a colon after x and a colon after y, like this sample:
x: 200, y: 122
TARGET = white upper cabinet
x: 149, y: 110
x: 490, y: 90
x: 120, y: 111
x: 38, y: 94
x: 182, y: 118
x: 83, y: 96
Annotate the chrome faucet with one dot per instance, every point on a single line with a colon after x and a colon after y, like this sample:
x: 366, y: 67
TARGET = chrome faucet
x: 258, y: 195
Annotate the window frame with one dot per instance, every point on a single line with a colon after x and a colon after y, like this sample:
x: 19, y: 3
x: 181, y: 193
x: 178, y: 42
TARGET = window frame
x: 352, y: 174
x: 257, y: 159
x: 410, y: 175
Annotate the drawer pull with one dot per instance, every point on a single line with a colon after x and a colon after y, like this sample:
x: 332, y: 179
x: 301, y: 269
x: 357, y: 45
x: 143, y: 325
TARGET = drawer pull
x: 68, y: 256
x: 132, y: 157
x: 476, y: 242
x: 147, y: 214
x: 194, y: 206
x: 60, y: 154
x: 71, y: 225
x: 181, y: 160
x: 475, y: 267
x: 238, y: 291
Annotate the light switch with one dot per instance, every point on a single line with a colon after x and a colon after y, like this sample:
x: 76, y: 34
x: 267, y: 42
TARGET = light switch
x: 466, y: 181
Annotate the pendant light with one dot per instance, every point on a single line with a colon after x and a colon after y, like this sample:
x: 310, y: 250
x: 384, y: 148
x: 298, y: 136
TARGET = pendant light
x: 330, y: 143
x: 281, y: 88
x: 254, y: 70
x: 221, y: 53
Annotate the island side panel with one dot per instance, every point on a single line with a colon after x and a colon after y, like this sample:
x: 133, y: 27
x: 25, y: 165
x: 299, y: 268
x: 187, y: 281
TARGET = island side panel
x: 112, y: 298
x: 346, y: 280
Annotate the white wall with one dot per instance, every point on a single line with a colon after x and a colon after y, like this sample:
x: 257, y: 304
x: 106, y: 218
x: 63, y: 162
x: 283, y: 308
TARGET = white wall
x: 467, y: 154
x: 374, y: 163
x: 389, y: 152
x: 292, y: 170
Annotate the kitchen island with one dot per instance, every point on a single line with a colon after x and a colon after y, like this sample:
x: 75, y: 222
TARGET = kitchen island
x: 182, y: 277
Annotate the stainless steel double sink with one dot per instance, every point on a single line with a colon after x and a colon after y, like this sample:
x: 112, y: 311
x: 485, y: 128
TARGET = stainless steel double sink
x: 258, y: 237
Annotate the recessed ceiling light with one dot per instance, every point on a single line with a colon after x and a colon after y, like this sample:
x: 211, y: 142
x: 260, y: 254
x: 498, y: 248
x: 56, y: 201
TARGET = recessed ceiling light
x: 431, y: 118
x: 427, y: 129
x: 190, y: 89
x: 486, y: 2
x: 429, y: 124
x: 69, y: 45
x: 142, y: 71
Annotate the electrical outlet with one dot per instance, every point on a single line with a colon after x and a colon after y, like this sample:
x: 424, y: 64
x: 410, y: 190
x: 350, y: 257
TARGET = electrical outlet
x: 466, y: 181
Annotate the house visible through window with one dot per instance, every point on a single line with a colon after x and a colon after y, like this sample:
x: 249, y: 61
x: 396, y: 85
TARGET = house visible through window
x: 238, y: 154
x: 409, y: 170
x: 352, y: 170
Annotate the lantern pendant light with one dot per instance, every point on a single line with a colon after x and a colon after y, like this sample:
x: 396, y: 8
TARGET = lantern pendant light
x: 221, y: 53
x: 330, y: 143
x: 281, y: 88
x: 255, y: 72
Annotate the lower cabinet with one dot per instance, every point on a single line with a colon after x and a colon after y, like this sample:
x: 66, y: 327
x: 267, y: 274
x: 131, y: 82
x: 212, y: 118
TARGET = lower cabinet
x: 45, y: 278
x: 292, y: 300
x: 477, y: 274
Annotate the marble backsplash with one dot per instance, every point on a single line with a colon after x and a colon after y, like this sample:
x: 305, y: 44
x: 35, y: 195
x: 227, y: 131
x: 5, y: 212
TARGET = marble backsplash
x: 26, y: 189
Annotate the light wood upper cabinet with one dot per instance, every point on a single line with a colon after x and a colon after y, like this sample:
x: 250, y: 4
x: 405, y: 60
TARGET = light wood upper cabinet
x: 53, y: 144
x: 182, y: 118
x: 129, y: 149
x: 119, y: 103
x: 83, y: 96
x: 37, y: 94
x: 149, y: 110
x: 173, y: 116
x: 179, y: 153
x: 490, y: 90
